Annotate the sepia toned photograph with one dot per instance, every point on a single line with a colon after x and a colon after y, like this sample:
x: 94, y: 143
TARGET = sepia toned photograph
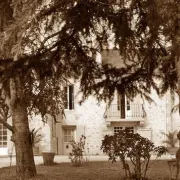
x: 89, y: 89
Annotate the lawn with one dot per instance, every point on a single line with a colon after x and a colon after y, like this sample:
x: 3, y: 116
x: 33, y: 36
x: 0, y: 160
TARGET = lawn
x: 91, y: 171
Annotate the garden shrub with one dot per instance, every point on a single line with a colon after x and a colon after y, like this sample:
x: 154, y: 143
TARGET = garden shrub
x: 131, y: 149
x: 78, y: 151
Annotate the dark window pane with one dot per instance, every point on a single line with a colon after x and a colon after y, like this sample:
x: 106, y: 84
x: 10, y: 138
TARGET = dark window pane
x: 4, y: 138
x: 4, y: 144
x: 65, y: 105
x: 123, y: 106
x: 65, y: 98
x: 128, y: 105
x: 71, y: 97
x: 118, y: 101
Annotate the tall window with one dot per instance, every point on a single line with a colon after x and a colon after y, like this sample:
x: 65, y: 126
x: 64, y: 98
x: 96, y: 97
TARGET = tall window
x: 123, y: 104
x: 3, y: 136
x: 69, y: 97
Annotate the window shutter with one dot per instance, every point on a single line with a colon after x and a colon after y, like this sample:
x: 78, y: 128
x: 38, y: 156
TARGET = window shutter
x: 65, y: 98
x: 123, y: 105
x: 128, y: 105
x: 118, y: 102
x: 71, y: 97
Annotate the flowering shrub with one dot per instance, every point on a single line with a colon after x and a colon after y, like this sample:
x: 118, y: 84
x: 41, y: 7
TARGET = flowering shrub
x: 129, y: 146
x: 77, y: 154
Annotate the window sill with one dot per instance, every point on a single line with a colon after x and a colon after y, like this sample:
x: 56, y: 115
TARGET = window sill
x: 69, y: 110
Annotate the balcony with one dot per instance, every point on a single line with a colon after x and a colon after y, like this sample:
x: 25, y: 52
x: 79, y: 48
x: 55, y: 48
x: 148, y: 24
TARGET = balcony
x: 130, y: 112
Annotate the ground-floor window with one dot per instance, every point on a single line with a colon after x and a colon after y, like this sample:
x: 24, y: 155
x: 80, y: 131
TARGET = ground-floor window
x: 117, y: 129
x: 69, y: 135
x: 3, y: 136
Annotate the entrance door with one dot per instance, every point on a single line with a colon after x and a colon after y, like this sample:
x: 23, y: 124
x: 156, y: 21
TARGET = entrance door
x: 3, y: 140
x: 68, y: 136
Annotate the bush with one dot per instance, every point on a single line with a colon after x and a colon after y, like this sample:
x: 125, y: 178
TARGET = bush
x: 128, y: 146
x: 77, y: 155
x: 171, y: 138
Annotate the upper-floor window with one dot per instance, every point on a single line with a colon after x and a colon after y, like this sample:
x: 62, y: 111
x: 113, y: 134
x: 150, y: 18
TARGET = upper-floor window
x: 124, y: 108
x: 69, y: 97
x: 123, y: 104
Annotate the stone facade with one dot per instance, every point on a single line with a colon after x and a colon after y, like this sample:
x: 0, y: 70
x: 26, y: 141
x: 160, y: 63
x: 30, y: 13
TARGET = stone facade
x: 91, y: 119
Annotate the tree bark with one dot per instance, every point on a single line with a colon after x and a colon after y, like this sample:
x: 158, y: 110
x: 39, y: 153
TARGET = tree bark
x: 25, y: 166
x: 176, y: 51
x: 177, y: 61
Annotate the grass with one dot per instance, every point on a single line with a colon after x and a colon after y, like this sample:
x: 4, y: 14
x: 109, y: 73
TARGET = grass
x: 91, y: 171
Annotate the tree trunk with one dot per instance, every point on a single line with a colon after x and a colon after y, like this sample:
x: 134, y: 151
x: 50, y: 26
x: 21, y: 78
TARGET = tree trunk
x: 177, y: 63
x: 176, y: 52
x: 25, y: 166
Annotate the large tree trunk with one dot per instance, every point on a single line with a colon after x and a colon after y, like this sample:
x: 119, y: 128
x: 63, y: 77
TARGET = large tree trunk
x: 25, y: 166
x: 176, y: 51
x: 178, y: 78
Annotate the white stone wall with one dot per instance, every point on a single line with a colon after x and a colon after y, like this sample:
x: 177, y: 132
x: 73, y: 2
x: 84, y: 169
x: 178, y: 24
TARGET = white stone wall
x: 157, y: 116
x: 92, y: 117
x: 159, y: 119
x: 89, y: 120
x: 47, y: 129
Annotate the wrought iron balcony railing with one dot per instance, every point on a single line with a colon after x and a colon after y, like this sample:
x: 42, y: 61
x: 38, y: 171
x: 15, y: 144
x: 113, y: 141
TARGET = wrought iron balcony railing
x: 125, y: 111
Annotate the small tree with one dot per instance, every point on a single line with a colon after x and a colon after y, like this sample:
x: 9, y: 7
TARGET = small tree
x: 77, y: 154
x: 138, y: 149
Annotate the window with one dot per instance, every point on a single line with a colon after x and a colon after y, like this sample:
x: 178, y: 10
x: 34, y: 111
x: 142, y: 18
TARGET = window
x: 69, y: 97
x: 3, y: 136
x: 123, y: 104
x: 68, y: 135
x: 118, y: 129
